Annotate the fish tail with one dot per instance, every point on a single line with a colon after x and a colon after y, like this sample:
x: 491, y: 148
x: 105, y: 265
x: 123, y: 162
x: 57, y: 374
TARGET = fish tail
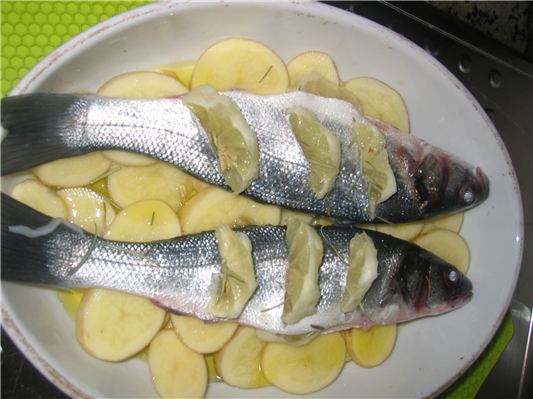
x: 25, y: 260
x: 37, y: 125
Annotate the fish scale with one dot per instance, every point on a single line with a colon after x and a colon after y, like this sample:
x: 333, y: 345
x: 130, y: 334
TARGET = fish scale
x: 430, y: 182
x: 177, y: 274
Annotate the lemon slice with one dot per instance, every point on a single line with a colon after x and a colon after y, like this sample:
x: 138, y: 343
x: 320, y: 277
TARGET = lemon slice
x: 310, y: 61
x: 241, y: 63
x: 231, y: 138
x: 315, y: 83
x: 236, y: 282
x: 321, y: 147
x: 374, y: 164
x: 362, y: 271
x: 305, y: 256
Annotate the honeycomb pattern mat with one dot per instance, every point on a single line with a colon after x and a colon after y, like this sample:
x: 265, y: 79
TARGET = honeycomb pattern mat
x: 33, y: 29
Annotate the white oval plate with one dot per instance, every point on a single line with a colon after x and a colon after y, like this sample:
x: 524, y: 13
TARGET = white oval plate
x: 430, y: 353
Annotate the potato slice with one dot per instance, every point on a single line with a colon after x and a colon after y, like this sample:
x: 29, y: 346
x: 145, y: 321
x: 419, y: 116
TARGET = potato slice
x: 238, y: 362
x: 305, y: 63
x: 146, y: 220
x: 86, y: 208
x: 372, y: 347
x: 241, y: 63
x: 73, y: 172
x: 177, y: 371
x: 71, y: 299
x: 448, y: 246
x: 304, y: 369
x: 214, y: 207
x: 182, y: 71
x: 380, y: 101
x: 125, y: 158
x: 451, y: 222
x: 201, y: 337
x: 144, y: 84
x: 39, y: 197
x: 403, y: 231
x: 114, y: 326
x: 158, y: 181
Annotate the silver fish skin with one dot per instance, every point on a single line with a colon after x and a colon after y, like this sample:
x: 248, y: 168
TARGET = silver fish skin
x: 430, y: 181
x: 176, y: 274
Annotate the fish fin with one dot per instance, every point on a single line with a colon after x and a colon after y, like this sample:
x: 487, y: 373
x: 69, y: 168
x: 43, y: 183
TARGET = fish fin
x: 37, y: 125
x: 26, y: 260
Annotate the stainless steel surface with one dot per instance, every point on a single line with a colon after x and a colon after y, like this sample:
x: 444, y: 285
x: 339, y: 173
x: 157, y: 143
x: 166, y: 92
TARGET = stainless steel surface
x: 502, y: 82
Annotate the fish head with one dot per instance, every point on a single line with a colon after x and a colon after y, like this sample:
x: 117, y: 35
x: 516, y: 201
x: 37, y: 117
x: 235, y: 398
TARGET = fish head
x: 428, y: 285
x: 444, y: 183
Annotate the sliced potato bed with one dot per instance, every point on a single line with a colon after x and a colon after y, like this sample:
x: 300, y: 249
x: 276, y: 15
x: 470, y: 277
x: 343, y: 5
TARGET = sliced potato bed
x: 380, y: 101
x: 177, y: 371
x: 239, y: 362
x: 201, y: 337
x: 143, y: 221
x: 114, y: 326
x: 158, y: 181
x: 372, y: 347
x: 304, y: 369
x: 40, y: 197
x: 73, y: 172
x: 305, y: 63
x: 241, y: 63
x: 87, y: 209
x: 142, y: 85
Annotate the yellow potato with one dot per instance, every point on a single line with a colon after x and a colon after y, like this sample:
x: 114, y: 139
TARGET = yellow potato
x: 114, y: 326
x: 40, y: 197
x: 448, y: 246
x: 73, y: 172
x: 403, y: 231
x: 305, y: 63
x: 214, y: 207
x: 372, y: 347
x: 380, y: 101
x: 143, y: 221
x: 202, y: 337
x: 177, y: 371
x: 144, y: 84
x: 158, y: 181
x: 125, y: 158
x: 451, y: 222
x: 87, y: 208
x: 241, y: 63
x: 238, y: 362
x: 304, y: 369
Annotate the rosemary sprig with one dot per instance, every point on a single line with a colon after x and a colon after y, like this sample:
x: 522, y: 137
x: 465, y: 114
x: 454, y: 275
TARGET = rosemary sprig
x: 87, y: 254
x: 321, y: 164
x: 106, y: 197
x: 263, y: 78
x: 333, y: 247
x: 108, y: 244
x: 105, y: 175
x: 363, y: 311
x: 153, y: 217
x: 383, y: 220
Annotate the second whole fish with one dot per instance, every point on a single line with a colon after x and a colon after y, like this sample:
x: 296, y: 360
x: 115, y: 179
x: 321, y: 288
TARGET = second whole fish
x: 177, y: 274
x: 43, y: 127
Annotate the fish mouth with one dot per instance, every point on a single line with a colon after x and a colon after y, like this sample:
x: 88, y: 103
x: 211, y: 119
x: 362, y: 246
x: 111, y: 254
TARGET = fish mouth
x: 461, y: 300
x: 481, y: 184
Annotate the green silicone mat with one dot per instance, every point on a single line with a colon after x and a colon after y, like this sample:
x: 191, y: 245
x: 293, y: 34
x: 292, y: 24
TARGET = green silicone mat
x: 33, y: 29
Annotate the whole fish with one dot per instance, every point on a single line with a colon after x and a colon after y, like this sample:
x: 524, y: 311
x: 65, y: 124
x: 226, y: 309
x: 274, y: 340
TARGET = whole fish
x: 176, y: 274
x: 430, y: 181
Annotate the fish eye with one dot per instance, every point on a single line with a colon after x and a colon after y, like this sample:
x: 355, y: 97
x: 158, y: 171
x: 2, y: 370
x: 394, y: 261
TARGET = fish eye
x: 467, y: 195
x: 453, y: 276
